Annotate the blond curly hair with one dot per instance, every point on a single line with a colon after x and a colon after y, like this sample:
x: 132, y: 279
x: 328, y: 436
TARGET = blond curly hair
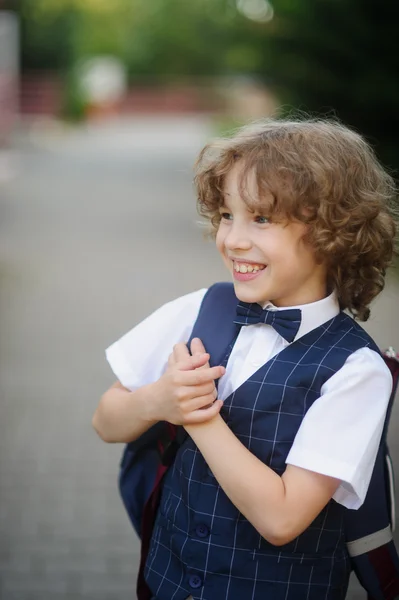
x: 323, y: 174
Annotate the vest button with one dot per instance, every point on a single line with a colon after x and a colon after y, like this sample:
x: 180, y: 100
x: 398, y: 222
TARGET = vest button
x: 195, y: 581
x: 202, y: 530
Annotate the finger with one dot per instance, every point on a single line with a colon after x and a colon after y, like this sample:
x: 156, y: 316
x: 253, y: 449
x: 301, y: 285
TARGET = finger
x: 198, y: 348
x: 171, y: 360
x: 204, y: 389
x: 200, y: 376
x: 194, y: 362
x: 192, y: 402
x: 198, y: 403
x: 180, y: 352
x: 204, y: 414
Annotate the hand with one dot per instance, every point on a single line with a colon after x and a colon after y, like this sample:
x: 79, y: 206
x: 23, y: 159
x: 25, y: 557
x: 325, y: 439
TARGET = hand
x: 186, y: 393
x: 180, y: 352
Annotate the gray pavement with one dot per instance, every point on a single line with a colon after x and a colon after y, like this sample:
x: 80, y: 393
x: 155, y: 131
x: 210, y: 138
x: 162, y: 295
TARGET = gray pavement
x: 98, y: 229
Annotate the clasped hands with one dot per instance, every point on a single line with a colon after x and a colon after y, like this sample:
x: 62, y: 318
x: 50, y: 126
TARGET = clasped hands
x: 186, y: 393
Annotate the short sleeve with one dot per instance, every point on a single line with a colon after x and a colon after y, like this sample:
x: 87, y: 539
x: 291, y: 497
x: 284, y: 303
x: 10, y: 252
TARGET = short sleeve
x: 140, y: 356
x: 341, y: 432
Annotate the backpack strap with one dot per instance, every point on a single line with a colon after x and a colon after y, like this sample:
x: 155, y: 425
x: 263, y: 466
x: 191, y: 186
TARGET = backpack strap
x: 392, y: 361
x: 150, y: 510
x: 215, y: 322
x: 166, y: 438
x: 373, y: 555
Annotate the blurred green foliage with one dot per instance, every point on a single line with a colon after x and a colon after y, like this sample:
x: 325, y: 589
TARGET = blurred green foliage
x: 74, y: 101
x: 336, y: 57
x: 340, y: 57
x: 157, y: 38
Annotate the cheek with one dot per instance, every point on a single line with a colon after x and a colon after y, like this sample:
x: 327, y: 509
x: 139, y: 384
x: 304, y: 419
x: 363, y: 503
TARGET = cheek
x: 304, y: 261
x: 219, y: 240
x: 295, y: 246
x: 305, y: 253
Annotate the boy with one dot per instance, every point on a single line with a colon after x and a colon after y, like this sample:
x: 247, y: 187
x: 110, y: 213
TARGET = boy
x: 253, y: 505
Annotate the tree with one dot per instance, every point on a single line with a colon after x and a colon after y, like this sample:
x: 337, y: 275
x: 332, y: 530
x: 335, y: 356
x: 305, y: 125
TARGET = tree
x: 339, y: 57
x: 162, y: 38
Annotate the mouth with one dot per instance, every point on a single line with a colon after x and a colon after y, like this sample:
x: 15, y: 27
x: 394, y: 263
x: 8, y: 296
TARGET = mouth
x: 247, y: 267
x: 245, y: 271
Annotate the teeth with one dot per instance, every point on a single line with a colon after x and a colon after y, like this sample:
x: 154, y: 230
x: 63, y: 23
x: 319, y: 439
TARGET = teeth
x: 242, y: 268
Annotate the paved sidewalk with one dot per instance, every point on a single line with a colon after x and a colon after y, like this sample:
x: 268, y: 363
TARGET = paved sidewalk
x: 97, y: 231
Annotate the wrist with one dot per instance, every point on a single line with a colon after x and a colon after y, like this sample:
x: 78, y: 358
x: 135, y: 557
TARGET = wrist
x: 151, y: 405
x: 209, y: 426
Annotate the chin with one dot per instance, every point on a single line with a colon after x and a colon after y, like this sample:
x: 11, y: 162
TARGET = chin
x: 246, y: 295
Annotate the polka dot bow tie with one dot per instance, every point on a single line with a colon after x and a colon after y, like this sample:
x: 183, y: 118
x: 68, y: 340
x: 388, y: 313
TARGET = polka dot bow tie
x: 285, y: 322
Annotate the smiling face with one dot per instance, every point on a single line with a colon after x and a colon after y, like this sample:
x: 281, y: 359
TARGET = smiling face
x: 269, y: 261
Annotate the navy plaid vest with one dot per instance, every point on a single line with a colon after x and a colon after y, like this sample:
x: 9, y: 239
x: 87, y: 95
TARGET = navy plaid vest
x: 201, y: 544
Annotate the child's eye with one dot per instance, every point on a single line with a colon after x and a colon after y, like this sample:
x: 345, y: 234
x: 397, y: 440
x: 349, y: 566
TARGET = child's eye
x: 226, y: 216
x: 261, y: 219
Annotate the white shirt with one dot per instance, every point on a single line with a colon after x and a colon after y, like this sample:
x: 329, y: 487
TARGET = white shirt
x: 339, y: 435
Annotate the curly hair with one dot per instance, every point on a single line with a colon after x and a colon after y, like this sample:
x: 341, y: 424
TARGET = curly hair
x: 321, y: 173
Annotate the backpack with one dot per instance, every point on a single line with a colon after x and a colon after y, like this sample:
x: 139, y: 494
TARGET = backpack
x: 145, y: 461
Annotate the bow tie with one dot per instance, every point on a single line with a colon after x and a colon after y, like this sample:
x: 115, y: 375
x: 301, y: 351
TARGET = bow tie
x: 285, y: 322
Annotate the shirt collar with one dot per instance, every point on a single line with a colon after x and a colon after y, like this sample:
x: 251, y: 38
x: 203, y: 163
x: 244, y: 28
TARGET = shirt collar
x: 314, y: 314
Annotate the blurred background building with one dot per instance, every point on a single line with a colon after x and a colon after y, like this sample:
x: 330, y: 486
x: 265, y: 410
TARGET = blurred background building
x: 9, y: 88
x: 104, y: 105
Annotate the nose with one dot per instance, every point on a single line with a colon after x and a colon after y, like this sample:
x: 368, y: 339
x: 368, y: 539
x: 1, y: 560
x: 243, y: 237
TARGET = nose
x: 238, y: 237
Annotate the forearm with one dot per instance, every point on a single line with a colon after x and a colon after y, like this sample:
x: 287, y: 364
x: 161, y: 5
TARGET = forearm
x: 123, y: 416
x: 255, y: 489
